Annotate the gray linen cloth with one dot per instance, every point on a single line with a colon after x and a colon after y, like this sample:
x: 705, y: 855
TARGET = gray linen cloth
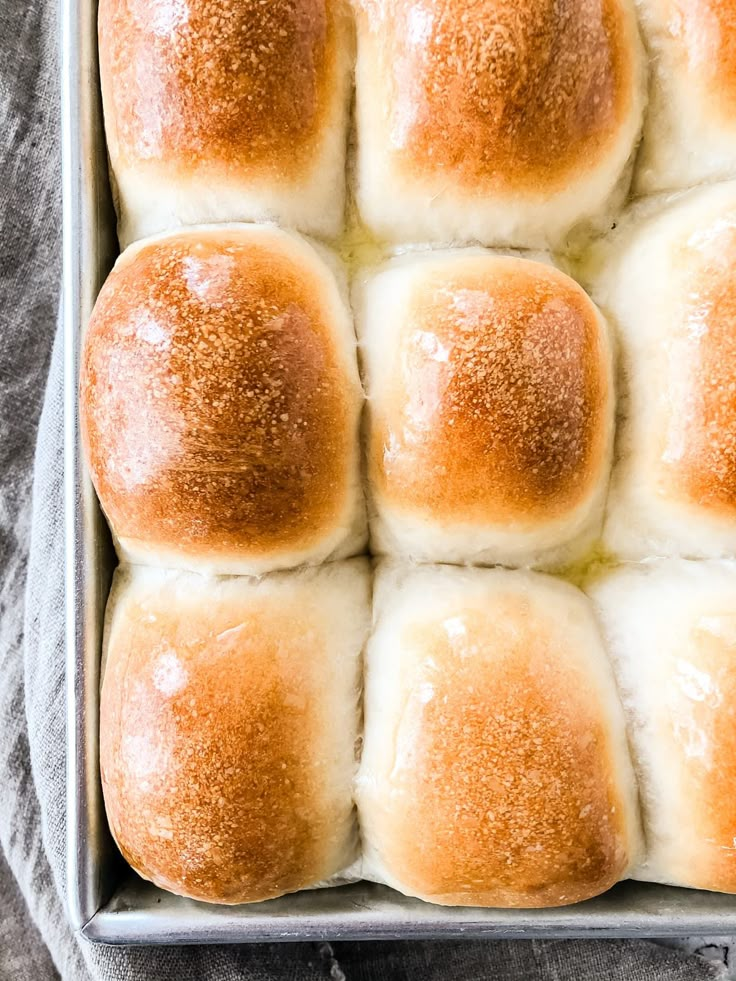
x: 35, y: 940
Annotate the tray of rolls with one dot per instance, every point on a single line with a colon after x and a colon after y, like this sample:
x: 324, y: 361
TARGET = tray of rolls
x: 401, y: 468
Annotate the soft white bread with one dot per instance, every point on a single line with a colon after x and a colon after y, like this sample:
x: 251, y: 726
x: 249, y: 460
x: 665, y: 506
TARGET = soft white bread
x: 690, y: 126
x: 495, y: 770
x: 505, y: 122
x: 667, y: 280
x: 220, y: 403
x: 671, y: 632
x: 226, y: 111
x: 228, y: 727
x: 490, y: 409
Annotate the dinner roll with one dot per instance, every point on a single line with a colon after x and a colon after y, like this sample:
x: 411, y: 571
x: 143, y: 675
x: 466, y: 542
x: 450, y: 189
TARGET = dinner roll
x: 490, y: 409
x: 667, y: 278
x: 220, y: 403
x: 228, y: 727
x: 226, y: 111
x: 690, y: 128
x: 671, y: 630
x: 495, y: 770
x: 502, y: 121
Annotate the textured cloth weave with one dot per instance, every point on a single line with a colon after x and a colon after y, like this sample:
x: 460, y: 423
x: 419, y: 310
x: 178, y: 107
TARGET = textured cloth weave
x: 35, y: 940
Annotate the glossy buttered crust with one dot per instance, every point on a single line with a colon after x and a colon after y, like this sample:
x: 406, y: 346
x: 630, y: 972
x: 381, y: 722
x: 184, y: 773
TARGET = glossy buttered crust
x: 220, y: 401
x: 505, y: 94
x: 494, y: 102
x: 670, y: 627
x: 705, y: 473
x: 495, y: 770
x: 490, y: 404
x: 228, y: 722
x: 666, y: 277
x: 223, y: 110
x: 240, y: 84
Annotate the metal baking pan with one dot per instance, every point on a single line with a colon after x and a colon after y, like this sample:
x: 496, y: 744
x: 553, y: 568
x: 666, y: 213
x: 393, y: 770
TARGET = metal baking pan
x: 106, y: 901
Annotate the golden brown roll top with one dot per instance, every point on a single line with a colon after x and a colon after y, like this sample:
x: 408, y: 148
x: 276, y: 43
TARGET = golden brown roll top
x: 220, y: 401
x: 490, y: 409
x: 228, y: 725
x: 220, y: 111
x: 493, y: 120
x: 690, y: 128
x: 703, y: 375
x: 667, y: 278
x: 671, y: 632
x: 495, y: 770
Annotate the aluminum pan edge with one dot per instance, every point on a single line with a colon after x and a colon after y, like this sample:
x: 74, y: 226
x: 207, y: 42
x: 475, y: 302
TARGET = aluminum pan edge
x: 88, y: 254
x: 140, y: 913
x: 103, y: 903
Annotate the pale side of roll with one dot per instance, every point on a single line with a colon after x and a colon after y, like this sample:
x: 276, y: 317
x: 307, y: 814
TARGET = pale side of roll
x: 666, y: 279
x: 220, y: 403
x: 228, y: 111
x: 690, y: 125
x: 495, y: 769
x: 490, y: 409
x: 498, y: 121
x: 670, y: 627
x: 228, y: 727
